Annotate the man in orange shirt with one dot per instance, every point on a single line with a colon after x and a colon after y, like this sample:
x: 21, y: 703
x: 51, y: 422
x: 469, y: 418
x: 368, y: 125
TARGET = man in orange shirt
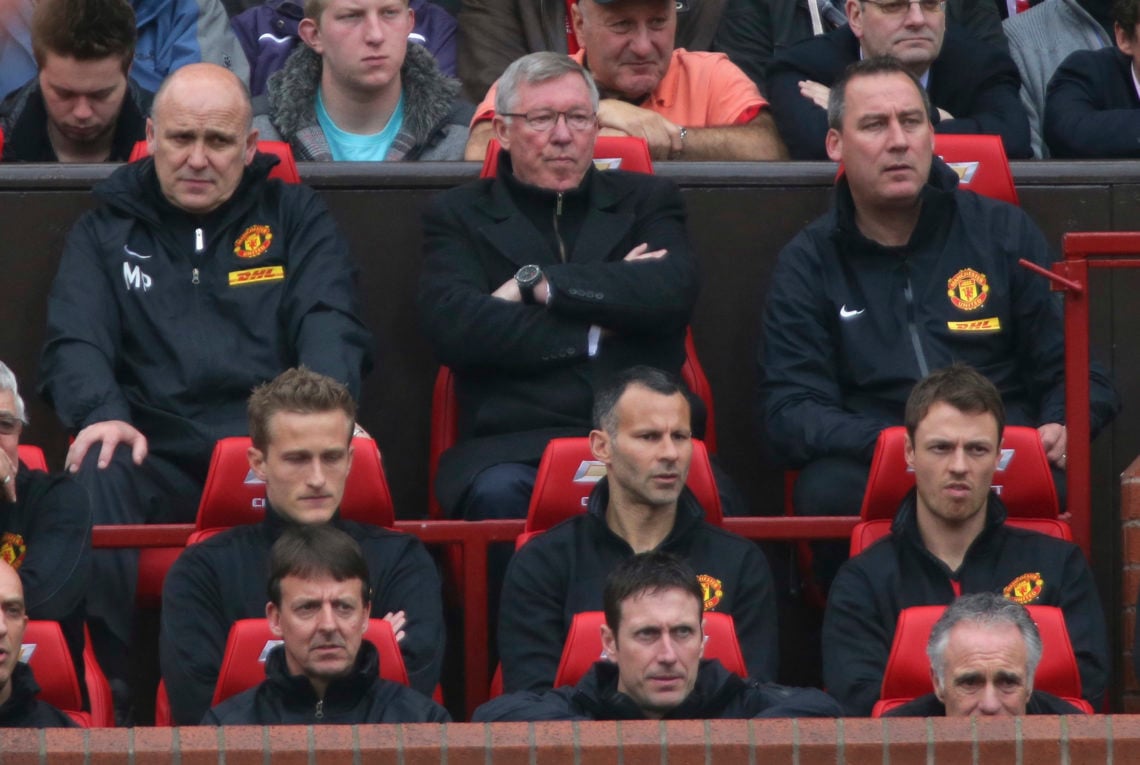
x: 687, y: 105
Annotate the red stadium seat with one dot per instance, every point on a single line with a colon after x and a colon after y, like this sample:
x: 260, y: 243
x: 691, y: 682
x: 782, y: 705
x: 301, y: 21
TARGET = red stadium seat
x: 907, y: 675
x: 1023, y: 479
x: 444, y: 431
x: 233, y: 496
x: 980, y: 162
x: 610, y: 153
x: 583, y: 645
x: 284, y: 171
x: 568, y: 472
x: 46, y: 653
x: 243, y: 665
x: 32, y: 456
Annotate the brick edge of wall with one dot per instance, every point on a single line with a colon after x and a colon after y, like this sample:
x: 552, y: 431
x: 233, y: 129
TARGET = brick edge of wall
x: 898, y: 741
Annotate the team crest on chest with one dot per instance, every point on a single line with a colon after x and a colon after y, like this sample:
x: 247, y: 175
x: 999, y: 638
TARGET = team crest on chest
x: 12, y: 549
x: 1024, y: 589
x: 712, y: 589
x: 253, y: 242
x: 968, y: 289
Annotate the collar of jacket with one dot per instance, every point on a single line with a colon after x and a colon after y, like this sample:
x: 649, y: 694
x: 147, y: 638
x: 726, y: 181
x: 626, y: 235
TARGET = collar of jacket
x: 690, y: 514
x: 342, y: 692
x: 429, y: 94
x: 24, y: 690
x: 602, y: 194
x: 274, y: 523
x: 938, y: 204
x: 905, y: 526
x: 716, y: 687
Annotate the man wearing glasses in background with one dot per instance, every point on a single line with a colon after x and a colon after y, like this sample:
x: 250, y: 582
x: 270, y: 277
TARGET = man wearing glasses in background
x: 972, y: 84
x: 541, y: 284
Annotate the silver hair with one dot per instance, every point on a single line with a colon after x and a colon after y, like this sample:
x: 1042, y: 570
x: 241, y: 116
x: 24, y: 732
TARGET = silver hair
x: 8, y: 382
x: 536, y: 68
x: 986, y: 609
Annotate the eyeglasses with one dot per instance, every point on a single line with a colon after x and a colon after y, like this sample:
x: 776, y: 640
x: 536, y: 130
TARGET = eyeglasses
x: 542, y: 121
x: 899, y: 7
x: 9, y: 425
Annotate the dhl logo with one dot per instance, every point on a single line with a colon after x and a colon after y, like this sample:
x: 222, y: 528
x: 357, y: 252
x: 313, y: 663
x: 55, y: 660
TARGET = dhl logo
x: 251, y: 275
x: 975, y: 325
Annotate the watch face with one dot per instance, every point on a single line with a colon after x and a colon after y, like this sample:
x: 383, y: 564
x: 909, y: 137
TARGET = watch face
x: 528, y: 274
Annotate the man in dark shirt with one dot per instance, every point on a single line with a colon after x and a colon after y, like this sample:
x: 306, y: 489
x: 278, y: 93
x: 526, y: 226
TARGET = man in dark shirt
x: 301, y: 425
x: 81, y: 107
x: 984, y: 651
x: 324, y: 672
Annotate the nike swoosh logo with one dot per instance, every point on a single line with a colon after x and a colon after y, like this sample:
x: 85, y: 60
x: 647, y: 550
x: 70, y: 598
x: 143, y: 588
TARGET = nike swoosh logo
x: 275, y: 39
x: 134, y: 254
x: 844, y: 313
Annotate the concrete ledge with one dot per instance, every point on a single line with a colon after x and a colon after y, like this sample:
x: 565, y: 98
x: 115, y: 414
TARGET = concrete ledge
x: 1036, y: 740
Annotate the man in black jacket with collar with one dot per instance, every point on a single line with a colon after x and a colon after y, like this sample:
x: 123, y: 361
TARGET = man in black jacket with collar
x: 540, y: 284
x: 301, y: 425
x: 644, y: 438
x: 653, y: 644
x: 324, y: 672
x: 1092, y: 106
x: 949, y: 538
x: 904, y: 275
x: 972, y: 84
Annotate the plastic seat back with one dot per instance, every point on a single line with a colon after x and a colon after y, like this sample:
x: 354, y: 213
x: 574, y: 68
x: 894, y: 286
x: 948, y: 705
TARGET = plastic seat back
x: 250, y: 641
x: 907, y: 675
x: 980, y: 162
x: 45, y: 652
x: 284, y: 171
x: 1023, y: 479
x: 568, y: 472
x: 610, y: 153
x: 32, y: 457
x: 234, y: 496
x: 583, y: 645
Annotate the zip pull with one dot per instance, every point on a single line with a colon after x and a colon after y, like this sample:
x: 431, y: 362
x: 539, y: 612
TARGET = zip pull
x: 194, y: 276
x: 319, y: 712
x: 558, y: 207
x: 199, y: 241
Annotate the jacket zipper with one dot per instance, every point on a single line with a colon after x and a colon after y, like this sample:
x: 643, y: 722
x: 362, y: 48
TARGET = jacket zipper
x: 920, y: 355
x: 319, y: 712
x: 557, y: 232
x: 199, y: 246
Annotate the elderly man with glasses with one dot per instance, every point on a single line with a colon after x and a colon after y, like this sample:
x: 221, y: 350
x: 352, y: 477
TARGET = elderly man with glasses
x: 542, y: 283
x: 972, y: 84
x: 45, y: 526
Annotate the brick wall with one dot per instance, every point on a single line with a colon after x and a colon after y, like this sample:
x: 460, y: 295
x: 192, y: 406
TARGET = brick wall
x: 1036, y: 740
x: 1130, y: 586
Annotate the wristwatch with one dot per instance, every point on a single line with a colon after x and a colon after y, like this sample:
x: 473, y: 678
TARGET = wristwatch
x: 528, y: 278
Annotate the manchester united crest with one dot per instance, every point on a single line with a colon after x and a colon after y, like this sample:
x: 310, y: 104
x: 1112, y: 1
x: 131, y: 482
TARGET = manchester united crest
x: 12, y: 549
x: 253, y: 242
x: 1024, y: 589
x: 712, y: 589
x: 968, y: 289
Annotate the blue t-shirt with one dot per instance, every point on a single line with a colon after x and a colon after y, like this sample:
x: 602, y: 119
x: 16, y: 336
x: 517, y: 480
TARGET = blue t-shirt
x: 353, y: 147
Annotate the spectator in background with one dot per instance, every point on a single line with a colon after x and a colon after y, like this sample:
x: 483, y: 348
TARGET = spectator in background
x: 691, y: 106
x: 173, y: 33
x: 984, y: 651
x: 17, y: 60
x: 81, y: 107
x: 972, y: 85
x: 1044, y: 36
x: 356, y: 90
x: 1092, y: 109
x: 756, y: 30
x: 493, y: 33
x: 268, y: 34
x: 324, y: 672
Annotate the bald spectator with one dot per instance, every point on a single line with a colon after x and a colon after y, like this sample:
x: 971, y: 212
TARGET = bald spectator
x: 691, y: 106
x: 81, y: 107
x: 195, y: 280
x: 972, y: 85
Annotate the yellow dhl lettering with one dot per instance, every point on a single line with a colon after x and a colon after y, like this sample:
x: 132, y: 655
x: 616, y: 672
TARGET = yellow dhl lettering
x: 975, y: 325
x: 251, y: 275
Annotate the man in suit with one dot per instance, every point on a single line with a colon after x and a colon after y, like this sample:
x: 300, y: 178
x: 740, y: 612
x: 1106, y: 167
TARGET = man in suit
x: 542, y: 283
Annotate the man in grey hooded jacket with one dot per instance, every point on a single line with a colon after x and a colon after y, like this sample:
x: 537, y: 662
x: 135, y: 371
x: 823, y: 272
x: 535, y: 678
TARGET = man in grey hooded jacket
x: 357, y: 91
